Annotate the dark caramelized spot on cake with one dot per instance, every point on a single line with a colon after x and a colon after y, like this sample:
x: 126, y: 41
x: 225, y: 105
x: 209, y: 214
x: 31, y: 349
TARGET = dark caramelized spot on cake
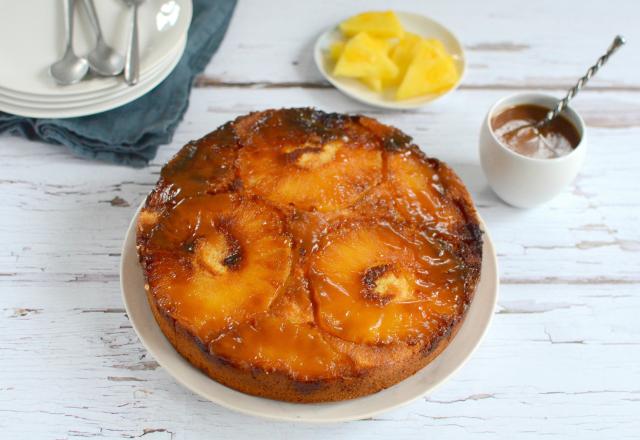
x: 221, y: 253
x: 396, y: 141
x: 385, y: 283
x: 372, y: 274
x: 392, y: 139
x: 371, y: 289
x: 232, y: 261
x: 312, y: 154
x: 202, y: 166
x: 233, y: 256
x: 289, y: 126
x: 293, y: 155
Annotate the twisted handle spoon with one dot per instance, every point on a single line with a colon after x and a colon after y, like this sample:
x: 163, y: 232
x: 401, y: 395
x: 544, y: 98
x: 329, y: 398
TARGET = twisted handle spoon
x: 618, y: 41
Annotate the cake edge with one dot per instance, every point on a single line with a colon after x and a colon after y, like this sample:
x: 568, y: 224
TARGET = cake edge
x: 280, y: 386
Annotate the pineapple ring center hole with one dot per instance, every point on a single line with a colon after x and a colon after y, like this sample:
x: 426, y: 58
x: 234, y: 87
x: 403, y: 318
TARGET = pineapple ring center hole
x: 218, y: 253
x: 384, y: 283
x: 311, y: 155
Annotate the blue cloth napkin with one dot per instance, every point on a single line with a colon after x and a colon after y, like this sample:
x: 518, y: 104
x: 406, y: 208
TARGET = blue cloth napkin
x: 131, y: 134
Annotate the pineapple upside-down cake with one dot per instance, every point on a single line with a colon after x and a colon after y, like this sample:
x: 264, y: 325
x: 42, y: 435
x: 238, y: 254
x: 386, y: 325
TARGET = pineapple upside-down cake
x: 306, y: 256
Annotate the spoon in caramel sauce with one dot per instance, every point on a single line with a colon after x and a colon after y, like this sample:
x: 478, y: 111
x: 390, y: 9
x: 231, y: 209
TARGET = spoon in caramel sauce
x: 538, y: 133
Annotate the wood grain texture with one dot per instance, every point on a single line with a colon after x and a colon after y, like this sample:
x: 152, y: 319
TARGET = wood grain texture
x: 562, y: 358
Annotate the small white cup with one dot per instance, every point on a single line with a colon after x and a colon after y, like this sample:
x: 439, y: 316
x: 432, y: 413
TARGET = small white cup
x: 524, y: 181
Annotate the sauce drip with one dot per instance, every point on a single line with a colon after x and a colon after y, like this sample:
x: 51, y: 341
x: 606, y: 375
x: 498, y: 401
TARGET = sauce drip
x: 558, y: 138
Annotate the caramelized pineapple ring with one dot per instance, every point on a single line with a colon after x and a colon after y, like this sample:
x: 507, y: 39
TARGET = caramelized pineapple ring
x: 259, y: 341
x: 206, y: 165
x: 215, y: 260
x: 425, y: 191
x: 420, y: 187
x: 308, y: 159
x: 274, y: 344
x: 382, y: 283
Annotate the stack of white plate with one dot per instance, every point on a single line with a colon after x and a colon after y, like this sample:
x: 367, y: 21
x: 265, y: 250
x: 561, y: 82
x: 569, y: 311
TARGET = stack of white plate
x: 32, y: 38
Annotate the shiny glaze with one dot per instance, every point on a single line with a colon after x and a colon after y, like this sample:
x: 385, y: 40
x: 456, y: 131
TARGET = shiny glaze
x: 333, y: 238
x: 308, y: 161
x: 204, y: 166
x: 375, y: 282
x: 273, y: 344
x: 204, y: 270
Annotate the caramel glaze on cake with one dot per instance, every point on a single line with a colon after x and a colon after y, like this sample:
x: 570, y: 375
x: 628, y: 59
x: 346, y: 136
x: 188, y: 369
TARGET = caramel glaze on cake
x: 308, y: 257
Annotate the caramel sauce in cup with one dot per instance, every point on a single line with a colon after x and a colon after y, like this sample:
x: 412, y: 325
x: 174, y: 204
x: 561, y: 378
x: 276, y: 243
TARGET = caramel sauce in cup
x: 527, y: 167
x: 513, y: 128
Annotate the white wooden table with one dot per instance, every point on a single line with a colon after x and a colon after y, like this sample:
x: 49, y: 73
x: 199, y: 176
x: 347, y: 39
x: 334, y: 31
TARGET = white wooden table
x: 562, y: 358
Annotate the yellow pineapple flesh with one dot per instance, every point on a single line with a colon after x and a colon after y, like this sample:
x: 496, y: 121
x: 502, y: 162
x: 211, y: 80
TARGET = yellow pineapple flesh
x: 419, y: 191
x: 216, y: 260
x: 382, y: 55
x: 272, y: 344
x: 376, y: 282
x: 364, y: 56
x: 373, y: 82
x: 431, y: 70
x: 291, y: 165
x: 284, y: 339
x: 383, y: 24
x: 335, y: 50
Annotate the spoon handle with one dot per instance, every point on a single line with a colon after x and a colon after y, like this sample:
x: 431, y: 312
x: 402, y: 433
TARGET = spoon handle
x: 69, y: 6
x: 618, y: 41
x: 132, y: 59
x: 93, y: 18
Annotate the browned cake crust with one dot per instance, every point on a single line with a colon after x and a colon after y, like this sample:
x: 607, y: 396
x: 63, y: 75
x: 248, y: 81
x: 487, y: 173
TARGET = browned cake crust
x: 251, y: 212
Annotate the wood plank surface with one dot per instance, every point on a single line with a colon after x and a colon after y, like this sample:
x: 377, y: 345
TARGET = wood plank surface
x: 562, y: 358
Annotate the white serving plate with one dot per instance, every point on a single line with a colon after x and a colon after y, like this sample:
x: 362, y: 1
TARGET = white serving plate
x: 424, y: 381
x: 16, y: 98
x: 415, y: 23
x: 32, y: 38
x: 72, y: 110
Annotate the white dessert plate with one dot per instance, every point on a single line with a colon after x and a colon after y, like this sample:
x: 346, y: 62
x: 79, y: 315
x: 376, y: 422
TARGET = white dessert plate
x: 31, y: 49
x: 120, y: 87
x: 76, y: 109
x: 415, y: 23
x: 16, y: 98
x: 424, y: 381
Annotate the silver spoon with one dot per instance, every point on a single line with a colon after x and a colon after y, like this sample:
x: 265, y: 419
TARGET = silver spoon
x: 132, y: 60
x: 534, y: 129
x: 102, y: 59
x: 70, y: 68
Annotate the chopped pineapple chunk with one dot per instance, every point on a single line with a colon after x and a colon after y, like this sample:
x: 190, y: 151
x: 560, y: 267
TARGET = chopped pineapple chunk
x: 373, y: 83
x: 430, y: 71
x: 335, y: 50
x: 402, y: 54
x: 382, y: 55
x: 436, y: 46
x: 378, y: 24
x: 365, y: 57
